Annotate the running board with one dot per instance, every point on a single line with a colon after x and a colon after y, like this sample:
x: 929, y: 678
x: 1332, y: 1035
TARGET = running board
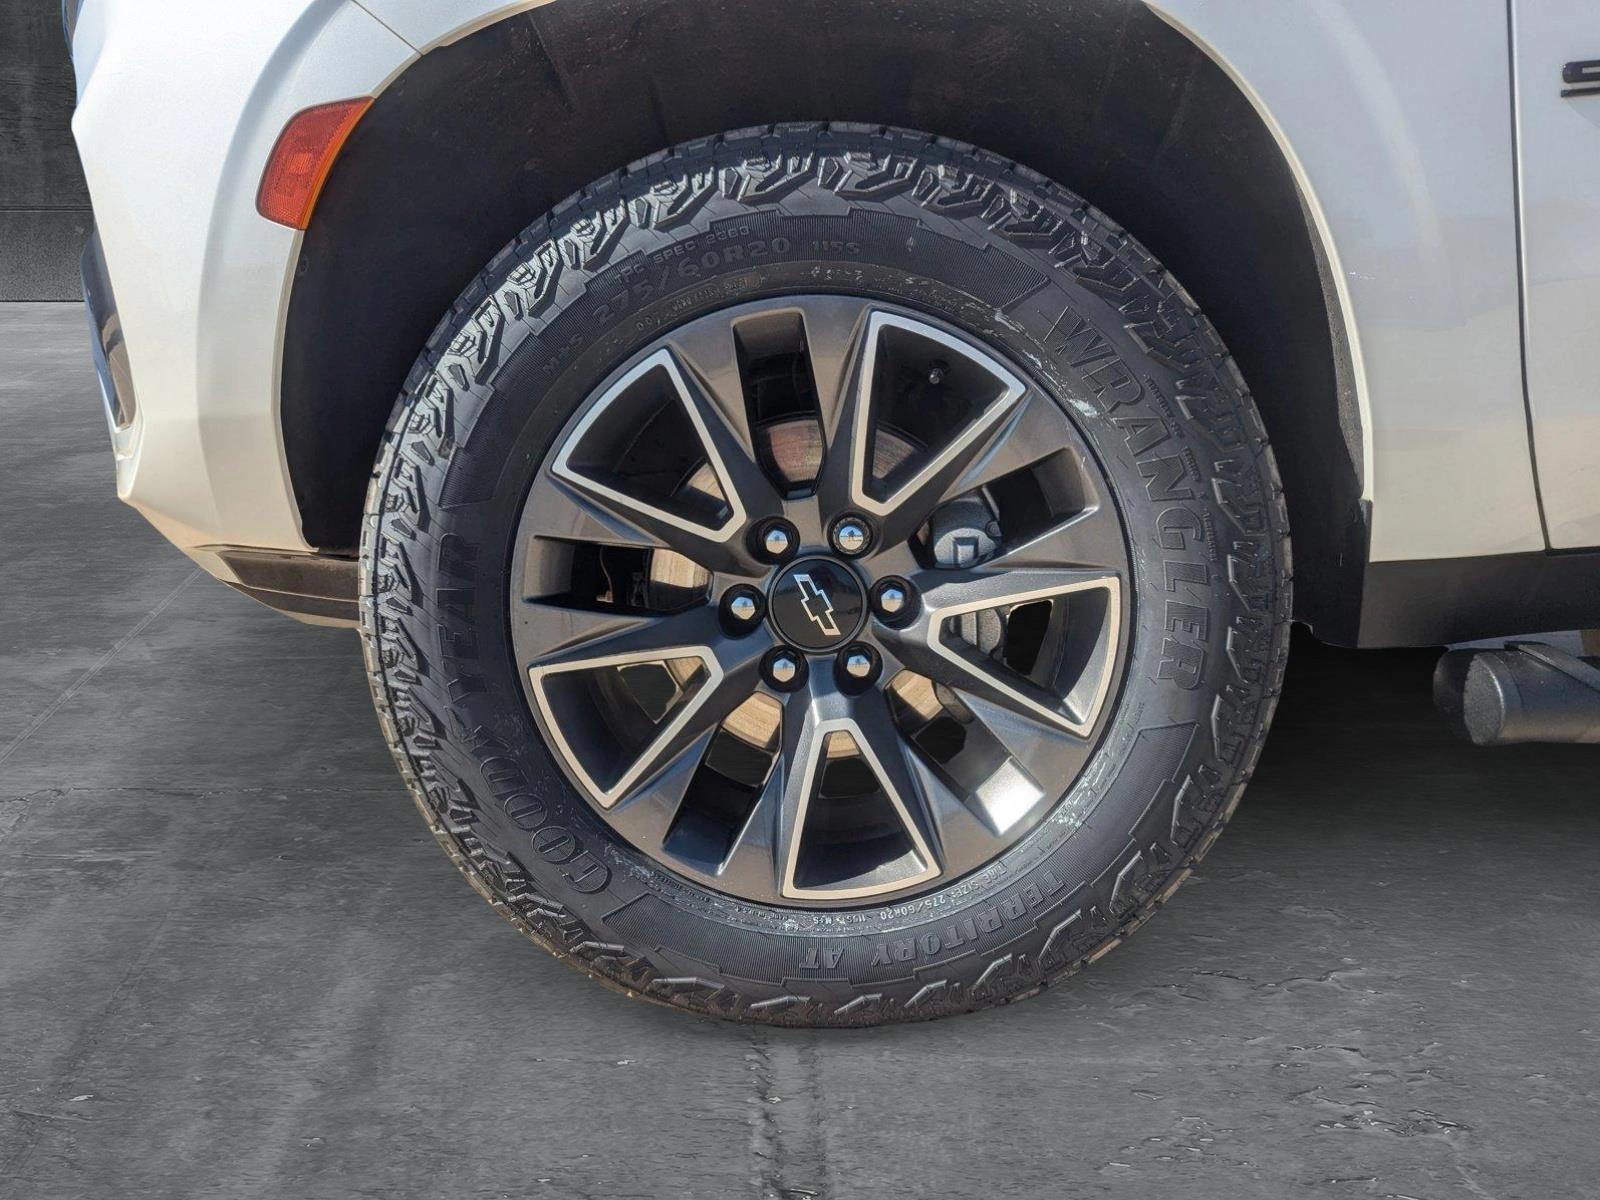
x: 1525, y: 692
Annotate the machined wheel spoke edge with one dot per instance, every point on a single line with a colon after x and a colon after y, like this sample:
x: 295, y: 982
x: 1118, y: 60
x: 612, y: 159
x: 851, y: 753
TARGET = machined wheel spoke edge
x: 1089, y: 540
x: 575, y: 638
x: 746, y: 492
x: 560, y: 635
x: 1032, y: 431
x: 926, y: 646
x: 792, y: 791
x: 844, y: 481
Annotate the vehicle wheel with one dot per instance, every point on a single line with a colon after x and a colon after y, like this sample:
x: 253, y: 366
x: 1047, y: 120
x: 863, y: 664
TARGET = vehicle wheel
x: 825, y: 575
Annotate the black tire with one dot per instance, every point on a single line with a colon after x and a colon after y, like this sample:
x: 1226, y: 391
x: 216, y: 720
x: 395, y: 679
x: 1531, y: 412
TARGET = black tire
x: 976, y: 241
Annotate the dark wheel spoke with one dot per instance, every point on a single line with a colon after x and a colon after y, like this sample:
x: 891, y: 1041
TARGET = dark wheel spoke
x: 953, y: 592
x: 721, y: 421
x: 1030, y: 433
x: 709, y: 357
x: 742, y: 493
x: 835, y: 329
x: 928, y: 647
x: 682, y: 745
x: 1045, y: 752
x: 578, y: 509
x: 645, y: 814
x: 968, y: 838
x: 556, y: 634
x: 788, y: 792
x: 561, y: 511
x: 915, y: 798
x: 559, y: 639
x: 1090, y: 539
x: 811, y: 722
x: 901, y: 504
x: 751, y: 868
x: 974, y: 674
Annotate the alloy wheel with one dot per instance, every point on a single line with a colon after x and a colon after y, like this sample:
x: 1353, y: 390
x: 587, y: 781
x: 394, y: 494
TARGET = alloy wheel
x: 820, y: 602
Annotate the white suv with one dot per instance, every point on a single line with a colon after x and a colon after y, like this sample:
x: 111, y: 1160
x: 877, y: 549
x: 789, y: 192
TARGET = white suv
x: 815, y: 480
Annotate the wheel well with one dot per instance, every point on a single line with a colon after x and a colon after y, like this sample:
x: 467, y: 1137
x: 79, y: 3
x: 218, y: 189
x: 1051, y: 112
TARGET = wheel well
x: 479, y: 138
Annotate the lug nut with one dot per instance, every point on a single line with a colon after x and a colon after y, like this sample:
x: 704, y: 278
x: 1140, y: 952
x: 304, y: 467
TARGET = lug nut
x: 783, y: 668
x: 850, y: 535
x: 857, y: 666
x: 777, y: 540
x: 892, y: 599
x: 743, y: 606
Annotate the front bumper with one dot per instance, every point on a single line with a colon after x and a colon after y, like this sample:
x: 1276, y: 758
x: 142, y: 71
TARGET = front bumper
x: 319, y: 589
x: 177, y: 112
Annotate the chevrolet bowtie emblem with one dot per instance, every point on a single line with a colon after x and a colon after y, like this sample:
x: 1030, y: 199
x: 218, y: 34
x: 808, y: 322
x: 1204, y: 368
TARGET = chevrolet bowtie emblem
x: 817, y: 605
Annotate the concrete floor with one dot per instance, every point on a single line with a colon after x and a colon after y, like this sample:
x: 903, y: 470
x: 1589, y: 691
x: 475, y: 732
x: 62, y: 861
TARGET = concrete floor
x: 231, y: 963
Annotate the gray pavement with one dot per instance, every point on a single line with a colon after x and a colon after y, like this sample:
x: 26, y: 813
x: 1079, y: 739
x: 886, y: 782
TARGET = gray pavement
x: 233, y: 965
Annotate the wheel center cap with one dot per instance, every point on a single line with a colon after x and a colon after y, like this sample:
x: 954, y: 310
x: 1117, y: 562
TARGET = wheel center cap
x: 816, y: 604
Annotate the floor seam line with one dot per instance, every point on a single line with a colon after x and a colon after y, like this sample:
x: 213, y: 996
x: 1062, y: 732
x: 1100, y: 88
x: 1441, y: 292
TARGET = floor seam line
x: 99, y: 665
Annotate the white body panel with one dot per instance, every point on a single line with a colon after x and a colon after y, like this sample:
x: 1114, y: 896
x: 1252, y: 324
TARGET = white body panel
x: 1408, y: 174
x: 1559, y: 139
x: 179, y: 104
x: 1407, y: 166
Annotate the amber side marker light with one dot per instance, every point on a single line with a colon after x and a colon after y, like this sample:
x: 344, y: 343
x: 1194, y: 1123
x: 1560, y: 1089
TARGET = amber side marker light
x: 301, y: 159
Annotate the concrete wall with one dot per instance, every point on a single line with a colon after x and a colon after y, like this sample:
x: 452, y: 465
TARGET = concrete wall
x: 44, y: 207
